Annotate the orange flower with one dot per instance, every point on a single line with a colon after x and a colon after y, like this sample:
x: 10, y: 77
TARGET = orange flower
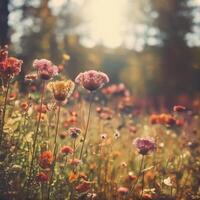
x: 46, y: 159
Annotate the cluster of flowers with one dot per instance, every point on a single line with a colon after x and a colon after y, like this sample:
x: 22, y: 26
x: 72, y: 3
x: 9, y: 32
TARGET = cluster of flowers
x: 9, y: 66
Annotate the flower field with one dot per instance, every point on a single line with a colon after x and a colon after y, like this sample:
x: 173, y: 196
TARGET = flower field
x: 89, y: 139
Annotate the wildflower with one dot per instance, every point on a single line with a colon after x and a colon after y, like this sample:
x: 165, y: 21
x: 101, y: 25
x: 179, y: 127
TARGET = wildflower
x: 61, y: 89
x: 75, y: 162
x: 45, y: 68
x: 92, y: 80
x: 168, y: 182
x: 144, y: 145
x: 131, y: 177
x: 83, y: 187
x: 116, y: 134
x: 42, y: 177
x: 74, y: 132
x: 114, y: 89
x: 124, y: 164
x: 122, y: 190
x: 62, y: 135
x: 46, y: 159
x: 103, y: 136
x: 24, y: 106
x: 31, y: 77
x: 41, y: 109
x: 66, y: 150
x: 179, y: 108
x: 9, y: 66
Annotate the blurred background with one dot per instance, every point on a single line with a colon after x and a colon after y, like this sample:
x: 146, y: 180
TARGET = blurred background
x: 153, y: 46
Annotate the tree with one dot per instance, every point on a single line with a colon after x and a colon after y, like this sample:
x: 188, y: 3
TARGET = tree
x: 4, y: 33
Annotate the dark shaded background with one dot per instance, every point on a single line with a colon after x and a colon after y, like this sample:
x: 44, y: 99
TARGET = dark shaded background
x: 168, y: 68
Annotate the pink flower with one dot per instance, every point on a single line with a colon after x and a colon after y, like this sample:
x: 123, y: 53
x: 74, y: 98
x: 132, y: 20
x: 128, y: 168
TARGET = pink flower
x: 92, y: 80
x: 67, y: 150
x: 122, y: 190
x: 144, y: 145
x: 45, y: 68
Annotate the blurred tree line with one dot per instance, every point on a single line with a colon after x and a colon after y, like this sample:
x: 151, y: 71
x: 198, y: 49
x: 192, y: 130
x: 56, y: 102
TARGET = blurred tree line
x: 168, y: 67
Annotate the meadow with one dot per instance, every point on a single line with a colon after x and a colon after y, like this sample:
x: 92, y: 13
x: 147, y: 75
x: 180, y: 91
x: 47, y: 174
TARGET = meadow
x: 89, y: 139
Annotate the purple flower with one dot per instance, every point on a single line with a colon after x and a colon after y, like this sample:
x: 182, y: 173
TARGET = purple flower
x: 144, y: 145
x: 92, y: 80
x: 45, y: 68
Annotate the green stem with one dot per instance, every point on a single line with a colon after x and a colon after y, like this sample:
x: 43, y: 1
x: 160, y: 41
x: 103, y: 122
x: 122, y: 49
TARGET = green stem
x: 4, y: 111
x: 36, y: 133
x: 54, y: 152
x: 140, y: 170
x: 87, y: 125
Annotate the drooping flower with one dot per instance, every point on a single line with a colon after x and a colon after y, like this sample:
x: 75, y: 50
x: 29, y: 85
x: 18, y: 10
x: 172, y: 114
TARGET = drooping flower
x: 66, y: 150
x: 144, y: 145
x: 9, y: 66
x: 74, y: 132
x: 92, y: 80
x: 46, y: 159
x: 61, y: 89
x: 42, y: 177
x: 45, y: 68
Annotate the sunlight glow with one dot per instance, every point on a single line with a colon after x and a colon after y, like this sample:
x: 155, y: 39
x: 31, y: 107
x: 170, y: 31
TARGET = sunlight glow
x: 106, y: 21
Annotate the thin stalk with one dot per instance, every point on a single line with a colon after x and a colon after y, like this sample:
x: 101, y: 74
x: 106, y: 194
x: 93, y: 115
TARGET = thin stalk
x: 140, y: 170
x: 36, y: 132
x: 74, y: 152
x: 87, y: 124
x: 54, y: 151
x: 4, y: 111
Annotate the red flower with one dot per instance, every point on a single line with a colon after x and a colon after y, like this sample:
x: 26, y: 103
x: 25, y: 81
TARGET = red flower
x: 46, y: 159
x: 67, y: 150
x: 83, y: 187
x: 9, y: 66
x: 42, y: 177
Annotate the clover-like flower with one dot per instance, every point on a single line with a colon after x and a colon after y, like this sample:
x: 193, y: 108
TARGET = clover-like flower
x: 144, y: 145
x: 74, y: 132
x: 46, y: 69
x: 61, y: 89
x: 92, y: 80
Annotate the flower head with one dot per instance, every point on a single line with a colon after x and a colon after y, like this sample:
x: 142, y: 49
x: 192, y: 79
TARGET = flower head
x: 9, y: 66
x: 42, y: 177
x: 92, y: 80
x: 61, y: 89
x: 66, y: 150
x: 122, y: 190
x: 74, y: 132
x: 46, y: 159
x: 45, y: 68
x: 144, y: 145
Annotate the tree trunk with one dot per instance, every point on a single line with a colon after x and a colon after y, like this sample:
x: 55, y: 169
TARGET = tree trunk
x: 4, y: 29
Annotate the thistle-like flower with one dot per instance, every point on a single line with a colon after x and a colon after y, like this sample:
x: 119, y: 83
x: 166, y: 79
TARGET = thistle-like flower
x: 144, y: 145
x: 92, y: 80
x: 46, y: 69
x: 61, y: 89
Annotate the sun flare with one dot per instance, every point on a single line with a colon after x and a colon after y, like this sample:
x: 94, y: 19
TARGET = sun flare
x: 106, y: 21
